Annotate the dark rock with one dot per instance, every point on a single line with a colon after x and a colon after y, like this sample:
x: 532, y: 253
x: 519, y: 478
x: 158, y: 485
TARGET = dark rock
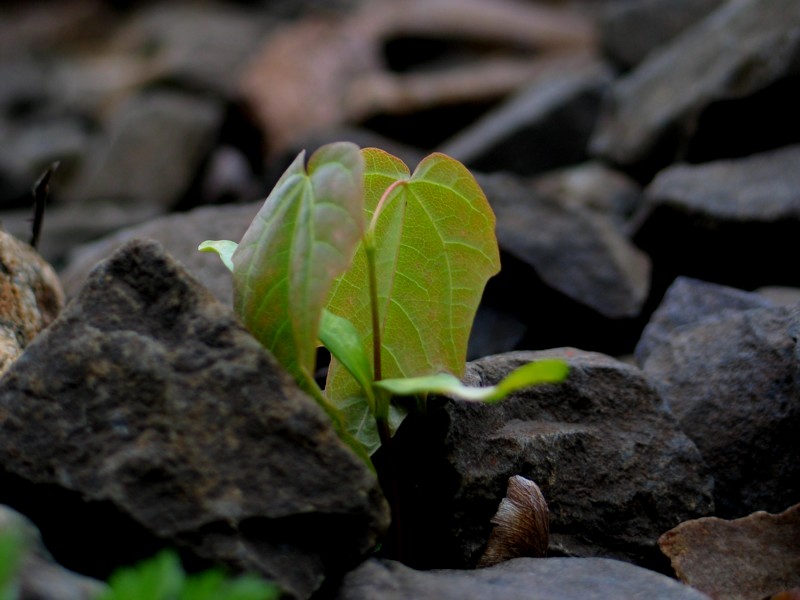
x: 518, y: 579
x: 730, y: 379
x: 180, y: 234
x: 30, y: 297
x: 39, y: 577
x: 610, y: 460
x: 575, y: 251
x: 688, y: 301
x: 493, y: 332
x: 693, y: 89
x: 752, y: 557
x: 540, y: 128
x: 150, y: 150
x: 629, y: 30
x: 148, y: 400
x: 695, y: 218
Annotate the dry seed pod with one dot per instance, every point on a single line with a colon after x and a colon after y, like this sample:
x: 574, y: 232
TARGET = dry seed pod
x: 522, y: 524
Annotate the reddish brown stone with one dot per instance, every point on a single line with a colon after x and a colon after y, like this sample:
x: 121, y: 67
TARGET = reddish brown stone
x: 748, y: 558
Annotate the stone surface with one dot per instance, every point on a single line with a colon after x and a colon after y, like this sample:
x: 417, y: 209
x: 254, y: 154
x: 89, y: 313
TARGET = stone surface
x: 612, y: 464
x: 629, y: 31
x: 544, y: 126
x: 731, y: 381
x: 688, y: 301
x: 575, y: 251
x: 518, y: 579
x: 30, y: 297
x: 179, y: 234
x: 149, y: 151
x: 148, y: 401
x: 695, y: 217
x: 748, y: 558
x: 657, y: 108
x: 203, y: 46
x: 594, y: 186
x: 39, y: 577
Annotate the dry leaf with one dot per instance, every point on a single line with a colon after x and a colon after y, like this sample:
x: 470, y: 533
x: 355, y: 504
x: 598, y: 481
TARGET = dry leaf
x: 522, y: 524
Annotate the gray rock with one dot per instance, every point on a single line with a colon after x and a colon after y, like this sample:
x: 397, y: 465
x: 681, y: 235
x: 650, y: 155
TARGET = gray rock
x: 518, y: 579
x: 201, y: 45
x: 147, y: 397
x: 688, y: 301
x: 179, y: 234
x: 730, y: 379
x: 738, y: 50
x: 542, y: 127
x: 695, y: 218
x: 38, y: 576
x: 150, y: 150
x: 630, y: 30
x: 609, y: 458
x: 594, y: 186
x: 578, y: 252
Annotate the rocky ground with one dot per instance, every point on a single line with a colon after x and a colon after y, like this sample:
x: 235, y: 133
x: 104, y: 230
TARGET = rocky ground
x: 643, y: 161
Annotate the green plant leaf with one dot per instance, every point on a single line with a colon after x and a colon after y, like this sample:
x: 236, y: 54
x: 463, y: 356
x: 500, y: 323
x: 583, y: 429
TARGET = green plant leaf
x: 223, y: 248
x: 435, y: 250
x: 343, y: 341
x: 300, y: 241
x: 542, y: 371
x: 158, y: 578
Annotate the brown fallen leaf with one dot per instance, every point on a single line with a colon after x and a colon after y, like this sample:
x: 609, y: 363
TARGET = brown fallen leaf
x: 326, y: 71
x: 750, y: 558
x: 522, y: 524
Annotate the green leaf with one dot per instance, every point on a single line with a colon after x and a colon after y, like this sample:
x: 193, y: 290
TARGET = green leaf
x: 543, y: 371
x: 435, y: 250
x: 300, y: 241
x: 158, y: 578
x: 223, y: 248
x: 343, y: 341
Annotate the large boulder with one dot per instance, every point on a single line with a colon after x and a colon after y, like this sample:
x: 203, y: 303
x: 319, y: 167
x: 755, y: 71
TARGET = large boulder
x: 730, y: 378
x: 610, y: 460
x: 726, y: 86
x: 695, y: 217
x: 147, y: 408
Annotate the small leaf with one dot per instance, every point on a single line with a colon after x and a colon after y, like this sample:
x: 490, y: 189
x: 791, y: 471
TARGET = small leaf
x: 361, y: 423
x: 543, y: 371
x: 223, y: 248
x: 343, y: 341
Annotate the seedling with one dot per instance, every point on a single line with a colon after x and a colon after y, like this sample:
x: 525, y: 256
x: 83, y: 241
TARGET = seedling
x: 162, y: 578
x: 385, y: 269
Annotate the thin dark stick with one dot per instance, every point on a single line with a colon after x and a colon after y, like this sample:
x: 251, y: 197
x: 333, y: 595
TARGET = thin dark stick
x: 41, y: 191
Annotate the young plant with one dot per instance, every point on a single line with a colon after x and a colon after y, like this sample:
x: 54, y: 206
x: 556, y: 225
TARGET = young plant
x: 386, y: 269
x: 162, y: 578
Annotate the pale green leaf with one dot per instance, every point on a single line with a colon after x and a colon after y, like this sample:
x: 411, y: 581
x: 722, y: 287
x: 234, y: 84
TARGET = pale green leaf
x: 341, y: 338
x: 543, y: 371
x: 300, y: 241
x: 223, y: 248
x: 435, y: 250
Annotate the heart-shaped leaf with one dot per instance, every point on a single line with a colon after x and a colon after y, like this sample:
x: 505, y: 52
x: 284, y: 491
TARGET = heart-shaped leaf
x: 300, y: 241
x: 435, y: 248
